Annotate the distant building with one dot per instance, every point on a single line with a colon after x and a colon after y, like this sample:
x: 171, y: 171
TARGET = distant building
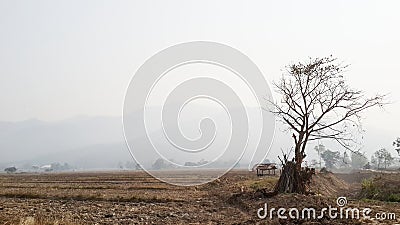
x: 35, y: 167
x: 46, y: 168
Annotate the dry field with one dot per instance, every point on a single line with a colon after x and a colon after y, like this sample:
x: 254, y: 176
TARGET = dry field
x: 137, y: 198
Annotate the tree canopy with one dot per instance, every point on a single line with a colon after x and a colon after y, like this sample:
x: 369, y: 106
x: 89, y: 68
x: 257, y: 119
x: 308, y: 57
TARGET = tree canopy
x: 396, y: 143
x: 317, y: 103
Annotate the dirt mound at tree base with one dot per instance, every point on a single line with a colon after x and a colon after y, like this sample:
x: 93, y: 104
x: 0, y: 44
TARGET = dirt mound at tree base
x: 327, y: 184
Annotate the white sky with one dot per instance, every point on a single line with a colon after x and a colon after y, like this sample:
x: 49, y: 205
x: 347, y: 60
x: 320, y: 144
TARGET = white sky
x: 59, y: 59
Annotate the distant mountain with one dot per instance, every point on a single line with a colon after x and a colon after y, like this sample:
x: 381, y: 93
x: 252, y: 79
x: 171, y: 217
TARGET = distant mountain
x: 32, y: 139
x: 85, y: 142
x: 98, y: 142
x: 99, y: 156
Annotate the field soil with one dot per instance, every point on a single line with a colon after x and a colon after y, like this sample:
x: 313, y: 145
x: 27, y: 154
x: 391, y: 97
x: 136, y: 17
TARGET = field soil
x: 137, y: 198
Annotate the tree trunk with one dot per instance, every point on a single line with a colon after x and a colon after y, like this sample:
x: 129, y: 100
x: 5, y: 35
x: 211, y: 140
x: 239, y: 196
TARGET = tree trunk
x: 293, y: 180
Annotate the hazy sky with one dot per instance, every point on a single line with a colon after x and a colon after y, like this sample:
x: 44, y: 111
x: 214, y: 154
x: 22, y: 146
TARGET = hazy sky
x: 59, y: 59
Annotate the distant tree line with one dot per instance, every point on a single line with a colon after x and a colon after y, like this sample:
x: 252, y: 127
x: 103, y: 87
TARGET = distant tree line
x: 381, y: 159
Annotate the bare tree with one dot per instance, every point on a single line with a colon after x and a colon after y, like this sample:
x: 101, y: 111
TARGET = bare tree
x: 316, y: 103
